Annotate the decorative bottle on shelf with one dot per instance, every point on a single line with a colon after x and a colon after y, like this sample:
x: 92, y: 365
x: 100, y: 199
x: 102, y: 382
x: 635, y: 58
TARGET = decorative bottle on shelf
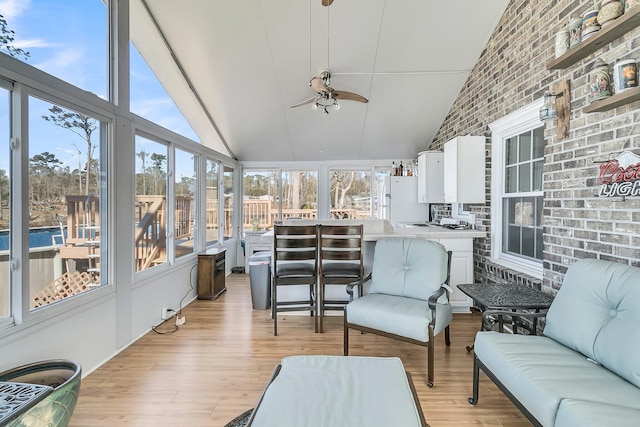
x: 394, y: 170
x: 400, y: 169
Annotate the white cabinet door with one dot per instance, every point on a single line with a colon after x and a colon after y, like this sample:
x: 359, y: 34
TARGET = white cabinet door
x: 430, y: 177
x: 461, y: 271
x: 464, y: 170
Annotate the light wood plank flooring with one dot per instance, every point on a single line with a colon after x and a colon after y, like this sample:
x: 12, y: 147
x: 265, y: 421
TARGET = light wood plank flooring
x: 217, y: 364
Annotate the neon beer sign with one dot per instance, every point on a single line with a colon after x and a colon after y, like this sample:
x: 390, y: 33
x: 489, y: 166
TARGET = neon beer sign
x: 620, y: 177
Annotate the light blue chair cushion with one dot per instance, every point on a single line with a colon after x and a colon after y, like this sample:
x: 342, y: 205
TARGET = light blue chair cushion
x: 583, y: 413
x: 413, y: 268
x: 407, y: 317
x: 541, y: 372
x: 597, y: 312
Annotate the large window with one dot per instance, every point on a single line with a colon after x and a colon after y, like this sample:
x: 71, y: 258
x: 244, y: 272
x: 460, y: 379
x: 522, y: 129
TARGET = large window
x: 67, y: 216
x: 260, y: 199
x: 68, y: 39
x: 517, y: 197
x: 5, y: 207
x: 212, y: 213
x: 185, y: 235
x: 277, y: 195
x: 227, y: 188
x: 150, y: 216
x: 350, y: 194
x: 299, y: 194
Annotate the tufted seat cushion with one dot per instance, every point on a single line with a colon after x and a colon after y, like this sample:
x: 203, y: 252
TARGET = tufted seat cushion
x: 413, y: 268
x: 595, y: 312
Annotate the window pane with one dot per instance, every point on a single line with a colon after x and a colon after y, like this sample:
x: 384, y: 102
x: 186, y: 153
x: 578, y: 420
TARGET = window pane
x: 524, y: 180
x: 299, y: 195
x: 350, y: 193
x: 522, y: 227
x: 525, y: 147
x: 211, y: 209
x: 227, y: 187
x: 66, y: 39
x: 185, y: 185
x: 511, y: 155
x: 5, y: 212
x: 66, y: 228
x: 511, y: 179
x: 528, y: 242
x: 150, y: 214
x: 260, y: 204
x: 538, y: 168
x: 150, y: 100
x: 538, y: 143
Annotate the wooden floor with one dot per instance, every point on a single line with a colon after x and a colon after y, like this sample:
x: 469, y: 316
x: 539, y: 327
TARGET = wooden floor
x: 217, y: 364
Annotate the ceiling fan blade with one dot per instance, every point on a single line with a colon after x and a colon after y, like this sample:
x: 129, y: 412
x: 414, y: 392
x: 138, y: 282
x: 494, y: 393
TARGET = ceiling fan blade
x: 327, y: 2
x: 317, y: 84
x: 348, y: 96
x: 308, y: 101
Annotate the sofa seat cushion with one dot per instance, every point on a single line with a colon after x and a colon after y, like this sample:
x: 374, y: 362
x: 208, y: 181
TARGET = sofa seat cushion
x: 596, y: 313
x: 584, y: 413
x: 540, y: 373
x: 407, y: 317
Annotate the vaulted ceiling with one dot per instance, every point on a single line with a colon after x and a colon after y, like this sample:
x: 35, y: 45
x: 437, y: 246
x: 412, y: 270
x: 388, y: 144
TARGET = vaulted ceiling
x: 236, y: 67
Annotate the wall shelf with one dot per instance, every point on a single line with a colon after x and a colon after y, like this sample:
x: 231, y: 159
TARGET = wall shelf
x: 614, y: 101
x: 610, y: 32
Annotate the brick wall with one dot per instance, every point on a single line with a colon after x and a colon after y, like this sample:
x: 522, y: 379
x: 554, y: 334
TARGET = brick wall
x: 511, y: 73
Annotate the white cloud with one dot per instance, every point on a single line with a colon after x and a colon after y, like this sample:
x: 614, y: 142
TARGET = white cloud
x: 32, y: 43
x: 13, y: 8
x: 65, y: 61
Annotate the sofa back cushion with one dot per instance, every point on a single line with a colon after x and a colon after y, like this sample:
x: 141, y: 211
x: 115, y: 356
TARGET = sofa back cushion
x: 597, y: 312
x: 411, y: 267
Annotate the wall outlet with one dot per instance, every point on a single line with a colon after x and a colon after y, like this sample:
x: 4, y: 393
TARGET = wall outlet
x: 166, y: 313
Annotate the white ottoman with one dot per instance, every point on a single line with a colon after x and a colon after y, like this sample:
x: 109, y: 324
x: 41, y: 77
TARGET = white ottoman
x: 335, y: 391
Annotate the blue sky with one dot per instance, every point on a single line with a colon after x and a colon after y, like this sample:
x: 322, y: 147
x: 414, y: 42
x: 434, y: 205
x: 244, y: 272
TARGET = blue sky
x: 68, y: 39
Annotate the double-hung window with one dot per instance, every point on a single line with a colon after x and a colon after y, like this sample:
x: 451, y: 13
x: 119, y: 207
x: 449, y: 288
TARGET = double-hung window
x: 516, y: 190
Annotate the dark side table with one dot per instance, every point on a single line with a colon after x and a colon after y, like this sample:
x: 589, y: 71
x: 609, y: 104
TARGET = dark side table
x: 507, y: 297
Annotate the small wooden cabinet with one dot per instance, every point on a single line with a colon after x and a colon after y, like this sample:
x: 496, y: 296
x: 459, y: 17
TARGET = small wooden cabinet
x: 464, y: 170
x: 211, y: 273
x: 431, y: 177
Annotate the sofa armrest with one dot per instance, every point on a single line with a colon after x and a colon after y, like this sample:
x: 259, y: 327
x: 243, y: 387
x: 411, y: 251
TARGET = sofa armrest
x: 492, y: 317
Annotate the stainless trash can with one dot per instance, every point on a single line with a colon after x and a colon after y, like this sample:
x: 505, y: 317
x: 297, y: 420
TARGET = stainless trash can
x: 260, y: 280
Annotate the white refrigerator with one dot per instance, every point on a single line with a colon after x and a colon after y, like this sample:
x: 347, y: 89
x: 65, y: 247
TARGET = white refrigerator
x: 398, y: 201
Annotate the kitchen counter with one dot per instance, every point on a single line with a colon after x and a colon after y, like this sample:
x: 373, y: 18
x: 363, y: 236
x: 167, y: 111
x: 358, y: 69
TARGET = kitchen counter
x: 459, y: 242
x: 375, y: 233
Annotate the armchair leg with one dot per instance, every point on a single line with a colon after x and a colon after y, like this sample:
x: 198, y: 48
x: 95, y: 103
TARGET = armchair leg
x: 431, y: 354
x: 447, y: 336
x: 346, y: 334
x: 274, y: 308
x: 476, y: 377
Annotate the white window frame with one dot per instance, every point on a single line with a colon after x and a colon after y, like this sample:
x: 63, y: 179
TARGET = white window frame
x: 513, y: 124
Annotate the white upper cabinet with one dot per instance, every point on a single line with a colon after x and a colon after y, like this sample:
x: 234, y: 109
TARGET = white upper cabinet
x: 464, y: 170
x: 431, y: 177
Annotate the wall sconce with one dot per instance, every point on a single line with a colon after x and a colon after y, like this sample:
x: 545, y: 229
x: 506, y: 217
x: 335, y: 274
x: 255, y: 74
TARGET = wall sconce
x: 557, y: 106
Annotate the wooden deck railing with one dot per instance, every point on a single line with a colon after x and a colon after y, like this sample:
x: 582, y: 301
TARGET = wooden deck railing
x: 149, y: 239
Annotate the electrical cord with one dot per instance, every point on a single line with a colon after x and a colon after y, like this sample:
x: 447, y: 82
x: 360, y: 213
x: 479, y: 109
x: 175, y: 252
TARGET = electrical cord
x: 179, y: 313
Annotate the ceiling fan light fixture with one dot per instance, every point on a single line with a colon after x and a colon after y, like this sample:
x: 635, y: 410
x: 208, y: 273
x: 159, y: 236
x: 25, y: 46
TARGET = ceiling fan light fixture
x: 336, y: 106
x: 315, y: 105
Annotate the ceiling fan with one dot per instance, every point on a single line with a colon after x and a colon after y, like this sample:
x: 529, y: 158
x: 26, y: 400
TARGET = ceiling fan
x: 327, y: 96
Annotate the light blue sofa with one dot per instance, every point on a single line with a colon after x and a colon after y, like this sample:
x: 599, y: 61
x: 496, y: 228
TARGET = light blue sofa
x: 585, y: 370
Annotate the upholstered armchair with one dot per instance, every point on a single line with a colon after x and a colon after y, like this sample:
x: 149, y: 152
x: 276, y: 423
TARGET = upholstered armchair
x: 408, y: 298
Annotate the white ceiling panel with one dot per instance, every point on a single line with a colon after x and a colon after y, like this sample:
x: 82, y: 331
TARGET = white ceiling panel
x: 250, y: 60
